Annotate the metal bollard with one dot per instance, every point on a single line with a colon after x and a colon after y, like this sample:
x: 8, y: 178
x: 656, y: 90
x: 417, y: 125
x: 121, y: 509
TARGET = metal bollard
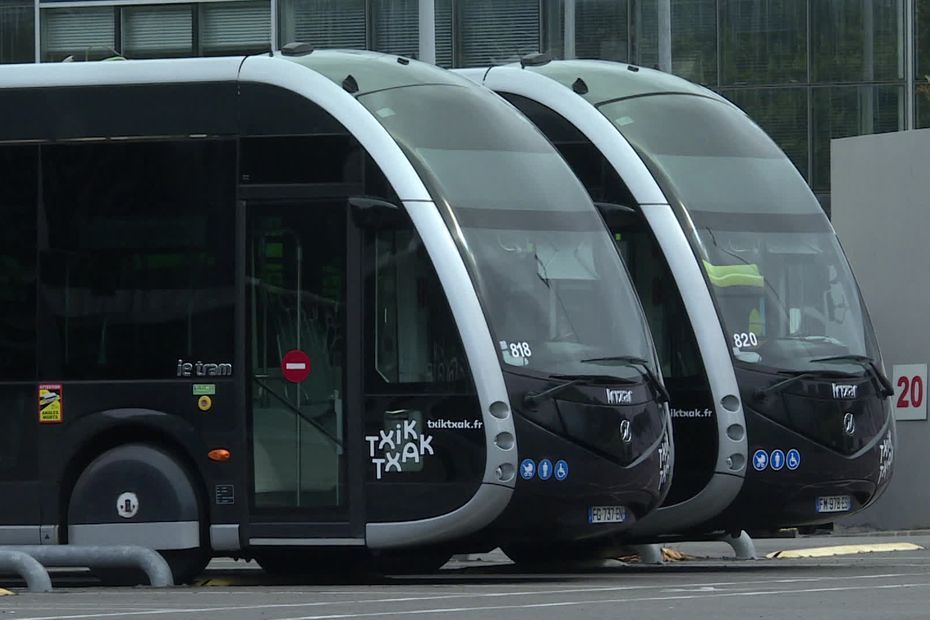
x: 119, y: 556
x: 742, y: 546
x: 24, y: 565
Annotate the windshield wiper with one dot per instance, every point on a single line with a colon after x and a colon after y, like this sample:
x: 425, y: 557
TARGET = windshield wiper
x: 639, y: 364
x: 532, y: 398
x: 867, y: 363
x: 763, y: 393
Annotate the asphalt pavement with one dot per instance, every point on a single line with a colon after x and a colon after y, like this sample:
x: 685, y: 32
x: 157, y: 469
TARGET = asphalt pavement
x: 707, y: 584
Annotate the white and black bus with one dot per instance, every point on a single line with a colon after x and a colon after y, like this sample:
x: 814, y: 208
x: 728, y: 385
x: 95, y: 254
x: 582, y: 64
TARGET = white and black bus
x: 778, y: 398
x: 284, y: 305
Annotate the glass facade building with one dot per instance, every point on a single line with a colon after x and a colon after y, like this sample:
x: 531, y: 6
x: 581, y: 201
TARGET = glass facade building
x: 807, y: 71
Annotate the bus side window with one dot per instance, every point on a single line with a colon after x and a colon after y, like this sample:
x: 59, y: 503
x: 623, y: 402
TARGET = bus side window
x: 137, y: 269
x: 18, y: 200
x: 18, y: 203
x: 414, y: 339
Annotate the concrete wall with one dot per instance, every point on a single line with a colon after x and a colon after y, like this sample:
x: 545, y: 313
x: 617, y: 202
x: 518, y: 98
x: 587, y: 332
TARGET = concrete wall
x: 881, y: 211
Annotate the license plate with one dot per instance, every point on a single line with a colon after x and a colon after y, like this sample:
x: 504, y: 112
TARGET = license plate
x: 606, y: 514
x: 834, y: 503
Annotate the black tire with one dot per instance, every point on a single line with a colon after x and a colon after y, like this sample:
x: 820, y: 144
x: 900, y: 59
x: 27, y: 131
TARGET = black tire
x: 530, y: 556
x: 414, y: 562
x: 321, y: 566
x: 559, y: 558
x: 165, y: 491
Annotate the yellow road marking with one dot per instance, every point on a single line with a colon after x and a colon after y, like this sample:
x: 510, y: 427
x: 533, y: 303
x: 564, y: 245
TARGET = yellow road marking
x: 824, y: 552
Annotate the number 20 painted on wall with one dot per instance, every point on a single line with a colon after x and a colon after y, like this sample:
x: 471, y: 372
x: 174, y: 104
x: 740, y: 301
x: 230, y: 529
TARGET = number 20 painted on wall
x: 912, y: 392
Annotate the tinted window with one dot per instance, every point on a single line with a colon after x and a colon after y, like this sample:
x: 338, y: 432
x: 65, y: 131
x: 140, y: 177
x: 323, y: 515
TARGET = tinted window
x: 712, y: 155
x: 414, y: 337
x: 137, y: 272
x: 301, y: 159
x: 551, y: 281
x: 18, y: 191
x: 476, y: 150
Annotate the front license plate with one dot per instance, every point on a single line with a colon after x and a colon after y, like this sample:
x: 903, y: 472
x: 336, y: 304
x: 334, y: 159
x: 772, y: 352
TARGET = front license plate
x: 606, y: 514
x: 834, y: 503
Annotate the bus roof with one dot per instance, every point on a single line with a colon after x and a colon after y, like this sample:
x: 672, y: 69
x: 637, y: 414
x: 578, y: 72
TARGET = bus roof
x: 607, y: 81
x: 373, y: 71
x: 161, y: 71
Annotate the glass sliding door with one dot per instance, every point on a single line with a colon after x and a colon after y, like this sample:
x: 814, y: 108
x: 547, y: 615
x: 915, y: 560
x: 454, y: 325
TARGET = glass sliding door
x: 296, y: 287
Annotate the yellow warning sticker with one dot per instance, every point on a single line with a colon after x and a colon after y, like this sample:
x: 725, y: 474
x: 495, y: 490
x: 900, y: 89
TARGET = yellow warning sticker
x: 50, y: 405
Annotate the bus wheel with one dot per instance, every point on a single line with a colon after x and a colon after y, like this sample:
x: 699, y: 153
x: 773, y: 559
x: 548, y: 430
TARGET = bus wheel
x: 319, y: 566
x: 412, y: 562
x: 139, y: 494
x: 561, y: 558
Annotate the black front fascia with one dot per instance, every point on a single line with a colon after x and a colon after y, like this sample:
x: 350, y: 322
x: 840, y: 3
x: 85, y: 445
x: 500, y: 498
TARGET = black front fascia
x: 579, y: 430
x: 843, y: 414
x: 595, y: 416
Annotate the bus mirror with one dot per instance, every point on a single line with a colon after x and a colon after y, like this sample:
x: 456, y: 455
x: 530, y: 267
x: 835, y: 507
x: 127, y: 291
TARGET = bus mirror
x: 616, y: 214
x: 374, y: 212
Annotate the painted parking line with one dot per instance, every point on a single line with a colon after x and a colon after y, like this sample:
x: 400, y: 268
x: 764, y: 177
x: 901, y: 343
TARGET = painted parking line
x: 591, y: 602
x: 434, y: 600
x: 825, y: 552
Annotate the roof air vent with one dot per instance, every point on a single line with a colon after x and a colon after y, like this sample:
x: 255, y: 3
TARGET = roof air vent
x: 536, y: 59
x: 403, y: 61
x: 297, y: 49
x: 632, y: 68
x: 350, y: 85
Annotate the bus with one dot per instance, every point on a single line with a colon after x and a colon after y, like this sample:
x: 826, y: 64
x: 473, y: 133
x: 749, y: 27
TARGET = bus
x: 306, y: 305
x: 778, y: 395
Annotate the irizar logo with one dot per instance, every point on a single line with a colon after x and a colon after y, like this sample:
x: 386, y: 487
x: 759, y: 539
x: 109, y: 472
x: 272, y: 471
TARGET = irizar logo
x: 619, y: 397
x: 849, y: 424
x: 844, y: 391
x: 626, y: 433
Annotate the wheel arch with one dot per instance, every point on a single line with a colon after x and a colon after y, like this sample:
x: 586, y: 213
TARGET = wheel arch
x: 95, y: 434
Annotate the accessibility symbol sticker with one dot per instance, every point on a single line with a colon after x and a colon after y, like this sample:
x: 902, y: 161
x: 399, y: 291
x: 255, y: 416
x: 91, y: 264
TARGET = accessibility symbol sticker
x: 777, y: 460
x: 760, y: 460
x: 561, y: 470
x: 793, y: 459
x: 528, y: 469
x: 545, y: 469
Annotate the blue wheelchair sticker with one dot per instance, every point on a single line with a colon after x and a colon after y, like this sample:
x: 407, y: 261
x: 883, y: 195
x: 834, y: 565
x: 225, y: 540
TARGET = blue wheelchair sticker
x: 794, y: 459
x: 561, y: 470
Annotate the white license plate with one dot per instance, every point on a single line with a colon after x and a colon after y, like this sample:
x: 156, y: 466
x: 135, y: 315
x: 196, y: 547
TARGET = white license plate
x: 834, y: 503
x: 606, y: 514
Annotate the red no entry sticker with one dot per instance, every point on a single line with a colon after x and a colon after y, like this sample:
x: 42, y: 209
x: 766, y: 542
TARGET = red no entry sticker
x: 295, y: 365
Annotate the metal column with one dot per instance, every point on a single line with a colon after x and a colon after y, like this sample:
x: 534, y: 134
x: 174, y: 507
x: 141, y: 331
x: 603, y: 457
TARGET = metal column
x: 568, y: 44
x: 427, y: 24
x: 665, y: 35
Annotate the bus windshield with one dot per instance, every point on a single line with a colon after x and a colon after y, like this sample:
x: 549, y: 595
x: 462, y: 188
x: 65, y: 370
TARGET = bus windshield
x: 554, y: 288
x: 785, y: 292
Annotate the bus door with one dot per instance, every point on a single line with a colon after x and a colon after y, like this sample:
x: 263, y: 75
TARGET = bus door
x: 300, y: 312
